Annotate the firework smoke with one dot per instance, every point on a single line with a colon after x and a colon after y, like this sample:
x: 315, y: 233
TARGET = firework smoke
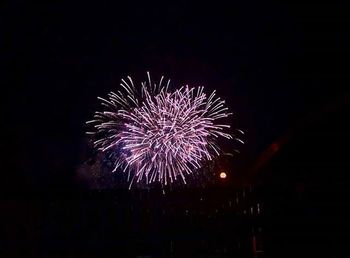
x: 154, y: 134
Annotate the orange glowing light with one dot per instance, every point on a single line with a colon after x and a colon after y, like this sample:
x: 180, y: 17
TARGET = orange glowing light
x: 223, y: 175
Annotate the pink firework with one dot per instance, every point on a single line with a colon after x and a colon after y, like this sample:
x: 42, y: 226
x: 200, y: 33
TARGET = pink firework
x: 159, y: 135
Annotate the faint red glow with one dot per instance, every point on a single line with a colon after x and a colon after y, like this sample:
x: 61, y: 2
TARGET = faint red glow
x: 275, y: 147
x: 254, y: 247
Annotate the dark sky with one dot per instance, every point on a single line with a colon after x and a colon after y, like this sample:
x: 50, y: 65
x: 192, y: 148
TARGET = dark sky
x: 273, y: 64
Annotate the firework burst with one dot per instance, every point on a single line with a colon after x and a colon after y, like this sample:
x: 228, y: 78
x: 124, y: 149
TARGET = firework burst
x: 154, y: 134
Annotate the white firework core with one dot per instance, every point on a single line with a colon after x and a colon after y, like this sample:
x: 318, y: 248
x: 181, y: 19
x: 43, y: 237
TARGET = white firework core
x: 158, y: 135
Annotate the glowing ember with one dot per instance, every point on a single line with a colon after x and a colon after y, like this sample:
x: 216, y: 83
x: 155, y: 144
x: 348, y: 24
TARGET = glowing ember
x: 223, y: 175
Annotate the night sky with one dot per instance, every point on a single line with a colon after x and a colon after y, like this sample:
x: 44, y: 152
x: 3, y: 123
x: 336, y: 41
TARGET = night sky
x: 274, y: 64
x: 282, y: 68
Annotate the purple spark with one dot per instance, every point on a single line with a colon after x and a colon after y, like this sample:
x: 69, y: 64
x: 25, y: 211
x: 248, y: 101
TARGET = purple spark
x: 159, y: 135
